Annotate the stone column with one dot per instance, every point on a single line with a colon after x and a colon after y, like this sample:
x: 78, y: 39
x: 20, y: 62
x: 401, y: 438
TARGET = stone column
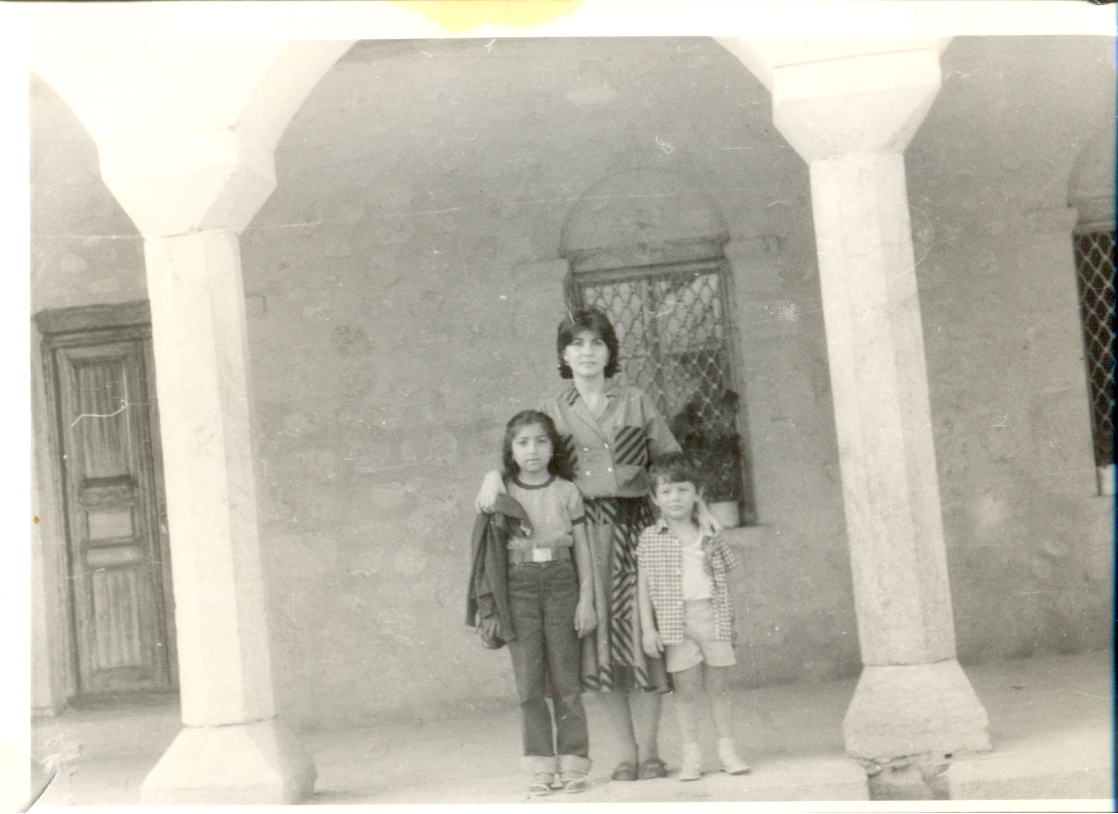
x: 232, y: 749
x: 850, y: 117
x: 185, y: 141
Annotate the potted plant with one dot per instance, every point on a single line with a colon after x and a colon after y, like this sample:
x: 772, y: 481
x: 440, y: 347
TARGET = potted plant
x: 716, y: 449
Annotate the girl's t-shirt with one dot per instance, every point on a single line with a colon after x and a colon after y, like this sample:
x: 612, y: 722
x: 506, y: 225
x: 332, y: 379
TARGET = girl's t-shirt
x: 554, y: 508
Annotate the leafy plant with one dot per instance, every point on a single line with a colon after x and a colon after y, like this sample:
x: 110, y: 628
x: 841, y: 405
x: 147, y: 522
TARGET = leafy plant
x: 713, y: 444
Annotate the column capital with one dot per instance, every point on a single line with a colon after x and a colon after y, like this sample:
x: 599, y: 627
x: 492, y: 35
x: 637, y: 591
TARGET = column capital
x: 189, y: 182
x: 836, y: 96
x: 186, y: 131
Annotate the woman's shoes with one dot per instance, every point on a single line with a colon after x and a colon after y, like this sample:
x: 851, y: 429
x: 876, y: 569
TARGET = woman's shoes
x: 648, y: 770
x: 625, y: 770
x: 652, y: 769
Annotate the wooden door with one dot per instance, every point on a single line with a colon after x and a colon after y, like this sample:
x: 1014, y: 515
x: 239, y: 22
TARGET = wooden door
x: 118, y: 563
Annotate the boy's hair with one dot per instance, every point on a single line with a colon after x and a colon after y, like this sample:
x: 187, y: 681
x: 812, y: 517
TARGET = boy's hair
x: 593, y: 320
x: 674, y: 467
x: 523, y: 419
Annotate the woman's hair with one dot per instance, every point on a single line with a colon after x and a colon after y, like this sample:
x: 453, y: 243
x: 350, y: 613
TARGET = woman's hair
x: 591, y: 320
x: 526, y: 418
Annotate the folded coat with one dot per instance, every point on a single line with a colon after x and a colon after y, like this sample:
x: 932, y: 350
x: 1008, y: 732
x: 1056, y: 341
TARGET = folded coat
x: 487, y: 593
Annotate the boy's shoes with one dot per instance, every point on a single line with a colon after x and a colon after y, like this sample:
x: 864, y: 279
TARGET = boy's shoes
x: 692, y: 768
x: 573, y: 782
x: 728, y: 754
x: 652, y: 769
x: 540, y: 785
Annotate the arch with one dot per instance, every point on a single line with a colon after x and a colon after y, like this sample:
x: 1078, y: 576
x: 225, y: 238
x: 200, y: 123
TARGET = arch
x: 1091, y: 185
x: 641, y: 217
x: 210, y: 111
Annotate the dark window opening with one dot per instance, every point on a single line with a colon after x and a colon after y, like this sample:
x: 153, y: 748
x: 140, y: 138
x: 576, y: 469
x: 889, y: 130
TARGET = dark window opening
x: 673, y: 328
x: 1094, y: 261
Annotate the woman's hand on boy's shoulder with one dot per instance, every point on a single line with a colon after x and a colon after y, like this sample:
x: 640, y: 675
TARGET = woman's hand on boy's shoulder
x: 708, y: 523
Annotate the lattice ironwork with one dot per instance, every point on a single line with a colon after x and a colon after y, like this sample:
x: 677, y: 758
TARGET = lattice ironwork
x: 1094, y: 256
x: 674, y: 339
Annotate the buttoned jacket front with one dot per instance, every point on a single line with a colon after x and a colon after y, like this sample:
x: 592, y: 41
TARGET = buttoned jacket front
x: 660, y: 558
x: 609, y: 457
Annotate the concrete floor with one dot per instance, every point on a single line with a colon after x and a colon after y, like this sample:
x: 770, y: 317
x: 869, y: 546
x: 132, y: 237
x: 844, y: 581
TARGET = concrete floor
x: 1051, y: 721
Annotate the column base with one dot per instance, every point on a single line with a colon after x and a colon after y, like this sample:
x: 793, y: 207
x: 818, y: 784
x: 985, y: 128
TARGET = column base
x: 914, y: 709
x: 260, y: 763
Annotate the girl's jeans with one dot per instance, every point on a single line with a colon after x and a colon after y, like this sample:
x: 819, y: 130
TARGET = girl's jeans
x: 545, y: 655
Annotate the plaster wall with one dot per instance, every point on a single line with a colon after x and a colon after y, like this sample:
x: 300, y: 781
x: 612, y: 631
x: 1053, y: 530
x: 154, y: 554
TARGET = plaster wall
x: 403, y: 285
x: 85, y: 250
x: 405, y: 290
x: 988, y: 183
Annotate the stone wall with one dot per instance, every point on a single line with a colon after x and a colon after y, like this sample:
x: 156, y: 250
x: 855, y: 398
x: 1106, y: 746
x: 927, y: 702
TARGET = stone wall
x: 988, y: 183
x: 403, y: 285
x: 408, y: 296
x: 84, y: 249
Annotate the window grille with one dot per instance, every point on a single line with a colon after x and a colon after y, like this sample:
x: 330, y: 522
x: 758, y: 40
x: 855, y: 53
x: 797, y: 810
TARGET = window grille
x: 1094, y: 260
x: 672, y: 327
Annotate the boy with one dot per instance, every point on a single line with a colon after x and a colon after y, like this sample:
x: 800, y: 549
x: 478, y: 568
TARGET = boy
x: 686, y: 610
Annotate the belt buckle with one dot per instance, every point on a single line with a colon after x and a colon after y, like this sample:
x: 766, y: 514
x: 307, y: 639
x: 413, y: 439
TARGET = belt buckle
x: 541, y: 555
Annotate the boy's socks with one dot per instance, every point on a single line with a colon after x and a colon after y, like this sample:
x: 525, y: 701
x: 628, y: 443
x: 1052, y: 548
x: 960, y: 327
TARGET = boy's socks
x: 692, y: 768
x: 728, y: 754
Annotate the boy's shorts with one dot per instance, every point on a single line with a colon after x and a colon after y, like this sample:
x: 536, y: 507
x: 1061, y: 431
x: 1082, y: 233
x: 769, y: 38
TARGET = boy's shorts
x: 699, y: 644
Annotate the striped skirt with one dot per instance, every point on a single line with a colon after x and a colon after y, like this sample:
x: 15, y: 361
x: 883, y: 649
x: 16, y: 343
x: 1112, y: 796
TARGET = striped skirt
x: 612, y: 658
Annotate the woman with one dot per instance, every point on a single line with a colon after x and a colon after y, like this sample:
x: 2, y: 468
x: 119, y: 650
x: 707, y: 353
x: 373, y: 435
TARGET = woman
x: 610, y: 432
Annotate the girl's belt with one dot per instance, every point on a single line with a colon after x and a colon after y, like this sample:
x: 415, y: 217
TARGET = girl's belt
x: 519, y: 555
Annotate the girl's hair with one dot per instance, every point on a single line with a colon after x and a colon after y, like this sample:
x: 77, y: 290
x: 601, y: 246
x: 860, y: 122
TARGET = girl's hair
x: 526, y: 418
x: 593, y: 320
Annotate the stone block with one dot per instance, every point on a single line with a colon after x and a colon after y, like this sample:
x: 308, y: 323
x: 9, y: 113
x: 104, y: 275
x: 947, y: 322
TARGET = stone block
x: 258, y: 763
x: 1077, y: 765
x: 914, y: 709
x: 804, y: 779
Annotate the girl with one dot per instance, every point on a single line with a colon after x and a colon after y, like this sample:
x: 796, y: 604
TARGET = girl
x: 608, y: 431
x: 549, y: 604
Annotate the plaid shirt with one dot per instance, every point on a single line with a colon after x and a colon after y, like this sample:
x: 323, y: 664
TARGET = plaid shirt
x: 659, y: 556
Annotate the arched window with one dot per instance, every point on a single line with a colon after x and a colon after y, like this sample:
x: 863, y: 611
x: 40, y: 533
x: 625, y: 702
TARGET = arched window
x: 645, y: 247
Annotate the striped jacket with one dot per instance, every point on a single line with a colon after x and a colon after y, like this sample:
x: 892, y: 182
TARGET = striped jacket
x: 609, y: 457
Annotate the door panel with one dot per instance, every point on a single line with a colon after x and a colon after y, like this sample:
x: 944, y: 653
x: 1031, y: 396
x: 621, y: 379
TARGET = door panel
x: 116, y: 560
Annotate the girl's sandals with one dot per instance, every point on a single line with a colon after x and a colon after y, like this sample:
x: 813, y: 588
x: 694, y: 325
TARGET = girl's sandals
x: 573, y: 782
x: 652, y: 769
x: 540, y: 785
